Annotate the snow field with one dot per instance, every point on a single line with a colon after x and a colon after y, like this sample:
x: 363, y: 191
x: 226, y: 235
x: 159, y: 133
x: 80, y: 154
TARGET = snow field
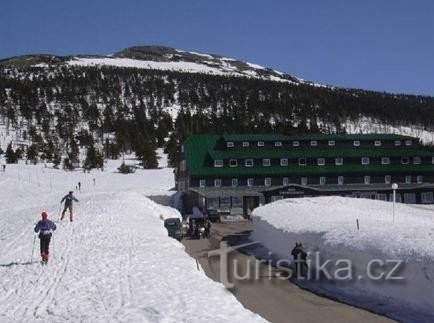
x: 114, y: 263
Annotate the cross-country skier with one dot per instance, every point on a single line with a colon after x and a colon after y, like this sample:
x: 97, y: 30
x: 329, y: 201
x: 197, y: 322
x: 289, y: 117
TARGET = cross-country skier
x: 45, y: 228
x: 68, y: 198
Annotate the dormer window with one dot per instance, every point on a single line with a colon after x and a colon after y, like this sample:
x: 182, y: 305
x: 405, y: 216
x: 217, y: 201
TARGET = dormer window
x: 260, y: 144
x: 296, y: 143
x: 397, y: 143
x: 233, y: 163
x: 302, y: 162
x: 408, y: 142
x: 405, y: 160
x: 365, y: 160
x: 230, y: 144
x: 248, y: 163
x: 339, y: 161
x: 246, y: 144
x: 278, y: 144
x: 218, y: 163
x: 377, y: 143
x: 314, y: 143
x: 332, y: 143
x: 266, y: 162
x: 356, y: 143
x: 284, y: 162
x: 385, y: 160
x: 416, y: 160
x: 321, y: 161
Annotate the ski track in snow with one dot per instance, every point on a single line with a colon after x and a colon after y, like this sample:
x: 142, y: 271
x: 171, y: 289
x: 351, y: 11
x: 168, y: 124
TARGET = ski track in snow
x: 114, y: 263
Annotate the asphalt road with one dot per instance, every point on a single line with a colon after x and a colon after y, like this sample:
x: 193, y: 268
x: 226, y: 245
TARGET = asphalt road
x: 266, y: 292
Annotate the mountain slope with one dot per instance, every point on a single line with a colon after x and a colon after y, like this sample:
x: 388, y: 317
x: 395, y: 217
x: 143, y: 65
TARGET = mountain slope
x: 146, y: 97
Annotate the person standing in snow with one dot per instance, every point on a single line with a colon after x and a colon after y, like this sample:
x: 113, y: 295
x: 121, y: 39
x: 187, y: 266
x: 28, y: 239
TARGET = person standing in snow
x: 68, y: 198
x: 79, y: 186
x: 208, y: 228
x: 300, y: 259
x: 45, y: 228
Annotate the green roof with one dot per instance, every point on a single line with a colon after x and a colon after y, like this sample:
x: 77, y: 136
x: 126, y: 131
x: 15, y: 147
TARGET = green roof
x: 315, y: 152
x: 199, y: 150
x: 337, y: 137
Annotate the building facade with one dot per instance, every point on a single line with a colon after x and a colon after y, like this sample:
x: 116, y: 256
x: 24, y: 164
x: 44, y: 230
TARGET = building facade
x: 236, y: 173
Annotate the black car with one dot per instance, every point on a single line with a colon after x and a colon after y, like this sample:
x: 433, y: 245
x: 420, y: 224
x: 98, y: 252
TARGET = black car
x: 174, y: 228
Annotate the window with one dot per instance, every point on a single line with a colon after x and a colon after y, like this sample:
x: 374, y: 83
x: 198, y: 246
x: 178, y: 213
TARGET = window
x: 218, y: 163
x: 397, y: 143
x: 304, y: 181
x: 260, y: 144
x: 250, y: 182
x: 387, y: 179
x: 385, y: 160
x: 377, y: 143
x: 234, y: 182
x: 284, y: 162
x: 296, y: 143
x: 278, y: 144
x: 248, y: 163
x: 340, y: 180
x: 285, y: 181
x: 202, y: 183
x: 408, y: 142
x: 367, y: 180
x: 230, y: 144
x: 322, y: 180
x: 419, y: 179
x: 314, y: 143
x: 217, y: 182
x: 405, y: 160
x: 339, y: 161
x: 416, y: 160
x: 356, y: 143
x: 233, y: 163
x: 365, y: 160
x: 246, y: 144
x: 427, y: 197
x: 183, y: 166
x: 182, y: 148
x: 267, y: 181
x: 302, y: 162
x: 332, y: 142
x: 407, y: 179
x: 266, y: 162
x: 321, y: 161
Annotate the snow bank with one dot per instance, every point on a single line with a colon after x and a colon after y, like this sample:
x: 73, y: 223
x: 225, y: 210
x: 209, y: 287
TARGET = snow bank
x: 114, y: 263
x: 328, y: 225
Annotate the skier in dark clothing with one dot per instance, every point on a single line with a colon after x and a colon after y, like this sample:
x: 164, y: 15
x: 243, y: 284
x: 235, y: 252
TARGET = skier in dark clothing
x: 300, y: 259
x: 207, y: 228
x: 69, y: 198
x: 45, y: 228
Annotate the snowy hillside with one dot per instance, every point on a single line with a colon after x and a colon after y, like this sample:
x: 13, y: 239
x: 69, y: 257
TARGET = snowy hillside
x: 328, y: 225
x: 114, y: 263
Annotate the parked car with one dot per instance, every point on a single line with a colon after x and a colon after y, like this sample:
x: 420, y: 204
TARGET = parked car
x: 174, y: 228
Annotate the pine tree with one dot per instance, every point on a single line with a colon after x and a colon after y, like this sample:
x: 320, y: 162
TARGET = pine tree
x: 11, y: 158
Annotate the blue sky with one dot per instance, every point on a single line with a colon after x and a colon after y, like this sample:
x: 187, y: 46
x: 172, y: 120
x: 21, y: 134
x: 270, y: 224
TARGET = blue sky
x: 385, y: 45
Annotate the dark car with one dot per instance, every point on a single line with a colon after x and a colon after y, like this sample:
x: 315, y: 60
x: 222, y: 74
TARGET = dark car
x: 174, y: 228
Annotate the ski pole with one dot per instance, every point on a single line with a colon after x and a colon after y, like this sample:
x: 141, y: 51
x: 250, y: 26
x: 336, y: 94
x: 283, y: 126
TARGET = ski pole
x: 33, y: 248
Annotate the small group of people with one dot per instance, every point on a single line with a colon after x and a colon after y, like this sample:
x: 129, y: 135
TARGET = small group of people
x: 46, y: 227
x: 198, y: 230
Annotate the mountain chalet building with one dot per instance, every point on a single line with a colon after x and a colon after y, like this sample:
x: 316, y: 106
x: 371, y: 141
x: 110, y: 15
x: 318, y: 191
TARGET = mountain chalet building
x: 233, y: 174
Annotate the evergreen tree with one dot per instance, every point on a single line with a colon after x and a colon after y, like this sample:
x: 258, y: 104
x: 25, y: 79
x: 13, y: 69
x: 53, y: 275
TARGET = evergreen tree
x: 11, y: 158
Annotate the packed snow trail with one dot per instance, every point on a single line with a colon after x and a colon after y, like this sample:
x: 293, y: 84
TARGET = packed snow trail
x: 114, y: 263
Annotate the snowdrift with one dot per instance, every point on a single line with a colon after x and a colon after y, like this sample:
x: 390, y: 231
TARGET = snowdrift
x: 328, y: 226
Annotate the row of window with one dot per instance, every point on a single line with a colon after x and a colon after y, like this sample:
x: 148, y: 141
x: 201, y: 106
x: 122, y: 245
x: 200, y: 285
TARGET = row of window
x: 266, y: 162
x: 304, y: 181
x: 314, y: 143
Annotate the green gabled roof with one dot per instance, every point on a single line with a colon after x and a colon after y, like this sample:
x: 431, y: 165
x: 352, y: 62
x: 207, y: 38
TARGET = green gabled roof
x: 196, y: 148
x: 337, y: 137
x: 315, y: 152
x: 312, y: 170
